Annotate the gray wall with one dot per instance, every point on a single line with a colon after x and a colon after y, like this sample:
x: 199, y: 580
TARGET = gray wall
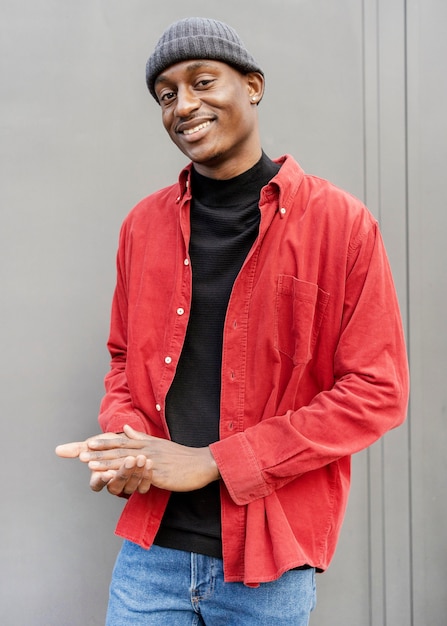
x: 356, y: 90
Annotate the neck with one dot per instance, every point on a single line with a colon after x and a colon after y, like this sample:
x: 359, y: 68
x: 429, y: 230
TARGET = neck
x: 224, y: 168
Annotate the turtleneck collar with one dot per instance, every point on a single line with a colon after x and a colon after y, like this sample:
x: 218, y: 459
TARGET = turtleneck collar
x: 225, y: 193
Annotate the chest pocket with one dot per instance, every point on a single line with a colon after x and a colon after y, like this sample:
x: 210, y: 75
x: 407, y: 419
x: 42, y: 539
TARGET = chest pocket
x: 300, y: 310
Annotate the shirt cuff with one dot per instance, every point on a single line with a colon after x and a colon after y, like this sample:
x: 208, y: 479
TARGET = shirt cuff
x: 239, y: 469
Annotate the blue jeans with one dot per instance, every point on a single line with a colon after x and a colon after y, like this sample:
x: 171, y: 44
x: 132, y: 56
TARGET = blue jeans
x: 164, y: 587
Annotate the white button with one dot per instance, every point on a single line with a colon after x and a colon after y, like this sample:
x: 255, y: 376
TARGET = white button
x: 180, y: 311
x: 168, y: 359
x: 158, y: 407
x: 186, y: 262
x: 282, y: 210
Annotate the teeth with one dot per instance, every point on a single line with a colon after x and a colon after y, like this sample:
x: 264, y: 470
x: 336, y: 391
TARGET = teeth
x: 191, y: 131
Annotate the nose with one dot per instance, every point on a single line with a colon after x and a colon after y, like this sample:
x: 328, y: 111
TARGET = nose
x: 186, y: 102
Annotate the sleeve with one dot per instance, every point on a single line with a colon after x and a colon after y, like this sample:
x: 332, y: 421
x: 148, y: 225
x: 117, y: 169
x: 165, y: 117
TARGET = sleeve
x: 116, y: 408
x: 369, y: 395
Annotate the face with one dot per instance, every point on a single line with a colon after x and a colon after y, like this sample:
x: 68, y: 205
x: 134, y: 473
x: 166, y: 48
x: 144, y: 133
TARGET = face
x: 209, y: 110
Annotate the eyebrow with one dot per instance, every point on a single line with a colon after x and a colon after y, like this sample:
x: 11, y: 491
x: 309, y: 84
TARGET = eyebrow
x: 195, y: 65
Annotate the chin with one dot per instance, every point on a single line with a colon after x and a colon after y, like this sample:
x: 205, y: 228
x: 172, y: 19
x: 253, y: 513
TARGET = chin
x: 206, y: 158
x: 201, y: 154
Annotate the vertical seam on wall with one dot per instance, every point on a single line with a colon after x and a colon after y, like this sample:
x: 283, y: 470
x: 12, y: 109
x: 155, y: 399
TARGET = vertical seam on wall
x: 367, y: 200
x: 379, y: 125
x: 379, y: 208
x: 407, y: 304
x: 365, y: 173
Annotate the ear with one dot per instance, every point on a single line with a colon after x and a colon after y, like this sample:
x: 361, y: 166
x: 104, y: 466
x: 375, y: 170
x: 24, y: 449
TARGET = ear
x: 255, y: 83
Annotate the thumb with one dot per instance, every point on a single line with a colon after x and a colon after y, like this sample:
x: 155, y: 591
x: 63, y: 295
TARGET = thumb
x: 132, y: 433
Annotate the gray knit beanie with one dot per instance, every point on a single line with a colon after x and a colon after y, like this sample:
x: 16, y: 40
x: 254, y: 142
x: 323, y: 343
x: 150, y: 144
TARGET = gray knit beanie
x: 198, y: 38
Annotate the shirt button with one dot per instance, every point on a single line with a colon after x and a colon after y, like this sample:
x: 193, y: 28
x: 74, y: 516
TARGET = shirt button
x: 158, y: 407
x: 282, y: 210
x: 186, y: 262
x: 168, y: 360
x: 180, y: 311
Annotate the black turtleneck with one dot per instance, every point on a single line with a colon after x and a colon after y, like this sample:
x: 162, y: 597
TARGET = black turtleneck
x: 225, y: 220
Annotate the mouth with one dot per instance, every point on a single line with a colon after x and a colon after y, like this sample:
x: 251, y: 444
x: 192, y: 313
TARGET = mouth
x: 196, y: 129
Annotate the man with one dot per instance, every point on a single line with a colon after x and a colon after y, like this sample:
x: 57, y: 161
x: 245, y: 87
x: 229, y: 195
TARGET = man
x: 256, y: 344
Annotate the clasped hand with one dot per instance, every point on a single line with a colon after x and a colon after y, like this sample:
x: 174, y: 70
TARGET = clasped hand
x: 133, y: 461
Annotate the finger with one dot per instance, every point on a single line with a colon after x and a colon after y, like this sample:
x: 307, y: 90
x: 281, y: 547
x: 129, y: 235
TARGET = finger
x: 107, y: 458
x: 122, y: 476
x: 134, y: 434
x: 99, y: 480
x: 146, y: 481
x: 117, y: 447
x: 112, y: 442
x: 103, y: 465
x: 103, y: 456
x: 106, y: 441
x: 137, y: 475
x: 71, y: 450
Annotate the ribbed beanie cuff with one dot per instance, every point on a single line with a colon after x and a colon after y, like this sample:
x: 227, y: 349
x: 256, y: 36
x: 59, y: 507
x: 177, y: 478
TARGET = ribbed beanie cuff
x: 198, y: 38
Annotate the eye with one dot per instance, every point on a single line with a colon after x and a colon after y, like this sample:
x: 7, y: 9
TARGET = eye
x: 204, y: 83
x: 166, y: 96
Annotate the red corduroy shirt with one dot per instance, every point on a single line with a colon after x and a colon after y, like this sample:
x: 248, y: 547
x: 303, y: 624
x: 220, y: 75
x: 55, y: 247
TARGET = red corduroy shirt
x: 314, y: 365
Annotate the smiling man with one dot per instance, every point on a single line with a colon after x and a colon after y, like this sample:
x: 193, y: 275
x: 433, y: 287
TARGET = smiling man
x: 256, y: 344
x: 207, y: 114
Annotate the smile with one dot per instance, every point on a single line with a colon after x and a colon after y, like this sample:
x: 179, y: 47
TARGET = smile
x: 191, y: 131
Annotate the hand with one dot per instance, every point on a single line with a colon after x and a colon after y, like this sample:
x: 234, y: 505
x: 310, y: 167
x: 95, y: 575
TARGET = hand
x: 173, y: 467
x: 131, y: 474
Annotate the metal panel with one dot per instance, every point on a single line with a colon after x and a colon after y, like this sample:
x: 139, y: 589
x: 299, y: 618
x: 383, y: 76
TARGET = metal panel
x: 393, y: 218
x: 427, y: 165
